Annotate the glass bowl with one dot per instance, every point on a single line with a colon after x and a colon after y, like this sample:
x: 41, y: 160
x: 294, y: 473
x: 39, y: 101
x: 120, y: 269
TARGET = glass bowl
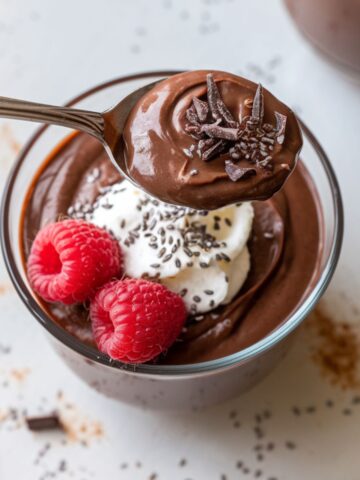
x: 164, y: 386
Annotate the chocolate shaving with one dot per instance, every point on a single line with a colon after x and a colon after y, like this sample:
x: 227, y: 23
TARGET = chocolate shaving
x: 226, y: 115
x: 213, y: 96
x: 44, y: 422
x: 236, y: 172
x: 204, y: 144
x: 216, y: 131
x: 214, y: 150
x: 192, y: 116
x: 280, y: 127
x: 218, y: 108
x: 194, y: 131
x: 225, y: 133
x: 257, y: 111
x: 201, y: 108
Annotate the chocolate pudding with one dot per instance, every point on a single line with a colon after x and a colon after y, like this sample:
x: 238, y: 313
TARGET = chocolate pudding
x: 215, y: 137
x: 284, y: 245
x: 332, y: 25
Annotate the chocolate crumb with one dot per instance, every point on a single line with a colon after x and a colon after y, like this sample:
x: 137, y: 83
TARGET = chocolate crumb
x: 45, y: 422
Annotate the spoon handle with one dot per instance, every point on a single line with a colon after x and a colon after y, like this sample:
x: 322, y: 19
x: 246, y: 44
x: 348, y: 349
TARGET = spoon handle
x: 86, y: 121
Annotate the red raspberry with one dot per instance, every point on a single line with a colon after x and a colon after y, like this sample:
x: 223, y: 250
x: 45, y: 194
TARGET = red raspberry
x: 70, y: 259
x: 134, y: 320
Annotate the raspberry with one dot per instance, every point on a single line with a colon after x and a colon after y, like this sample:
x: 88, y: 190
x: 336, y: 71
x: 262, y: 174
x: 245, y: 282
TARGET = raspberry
x: 134, y: 320
x: 70, y: 259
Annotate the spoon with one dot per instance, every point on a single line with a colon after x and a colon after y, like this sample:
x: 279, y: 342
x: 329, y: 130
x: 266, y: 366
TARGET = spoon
x: 107, y: 126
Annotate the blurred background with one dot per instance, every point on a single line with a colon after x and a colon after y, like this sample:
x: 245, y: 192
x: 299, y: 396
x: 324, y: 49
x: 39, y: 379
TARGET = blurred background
x: 52, y: 51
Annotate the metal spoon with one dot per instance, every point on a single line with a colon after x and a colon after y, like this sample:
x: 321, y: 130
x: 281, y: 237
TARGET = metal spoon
x: 106, y: 127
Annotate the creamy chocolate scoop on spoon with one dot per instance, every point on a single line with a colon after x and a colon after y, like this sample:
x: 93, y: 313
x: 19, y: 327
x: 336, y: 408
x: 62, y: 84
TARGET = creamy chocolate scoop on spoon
x: 200, y: 139
x: 207, y: 139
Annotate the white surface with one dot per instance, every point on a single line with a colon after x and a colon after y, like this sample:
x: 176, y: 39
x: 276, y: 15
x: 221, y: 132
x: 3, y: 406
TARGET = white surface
x: 50, y: 51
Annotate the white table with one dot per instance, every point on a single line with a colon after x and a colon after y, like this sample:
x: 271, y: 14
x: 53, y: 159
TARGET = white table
x: 49, y: 52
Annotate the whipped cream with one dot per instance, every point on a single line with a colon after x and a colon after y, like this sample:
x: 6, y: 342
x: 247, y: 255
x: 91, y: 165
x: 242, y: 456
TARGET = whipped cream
x: 201, y: 255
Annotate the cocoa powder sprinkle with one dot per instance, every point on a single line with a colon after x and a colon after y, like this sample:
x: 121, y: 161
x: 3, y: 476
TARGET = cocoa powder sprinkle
x: 336, y: 349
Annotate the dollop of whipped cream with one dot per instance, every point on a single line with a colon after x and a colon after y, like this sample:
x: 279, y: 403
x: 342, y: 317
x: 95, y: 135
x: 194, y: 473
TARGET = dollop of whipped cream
x: 201, y: 255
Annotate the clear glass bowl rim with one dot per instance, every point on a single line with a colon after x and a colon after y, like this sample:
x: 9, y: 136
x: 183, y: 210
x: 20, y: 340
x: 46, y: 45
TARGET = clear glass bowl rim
x: 170, y: 370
